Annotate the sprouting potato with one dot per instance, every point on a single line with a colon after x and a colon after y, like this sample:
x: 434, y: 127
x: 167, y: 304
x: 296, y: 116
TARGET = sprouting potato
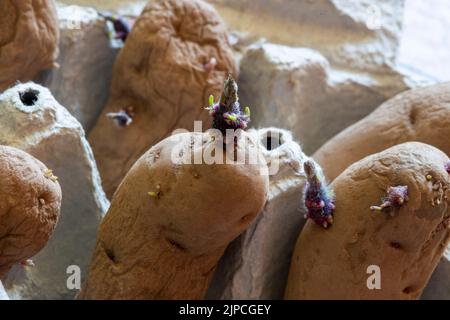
x: 392, y: 213
x: 30, y: 201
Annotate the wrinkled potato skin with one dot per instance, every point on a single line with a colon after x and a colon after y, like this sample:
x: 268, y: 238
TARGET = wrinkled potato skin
x: 332, y: 263
x: 168, y: 248
x: 26, y: 224
x: 29, y: 35
x: 160, y: 73
x: 416, y: 115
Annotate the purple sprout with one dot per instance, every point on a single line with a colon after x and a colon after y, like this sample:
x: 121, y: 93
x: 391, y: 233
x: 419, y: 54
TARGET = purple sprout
x: 319, y: 198
x: 121, y: 26
x: 395, y: 198
x: 123, y: 118
x: 227, y: 113
x: 447, y: 167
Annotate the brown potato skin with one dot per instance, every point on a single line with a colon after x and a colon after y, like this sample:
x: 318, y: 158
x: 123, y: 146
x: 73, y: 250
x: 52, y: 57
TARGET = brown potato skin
x: 332, y: 263
x: 29, y: 35
x: 25, y: 224
x: 416, y: 115
x: 168, y: 248
x: 160, y: 73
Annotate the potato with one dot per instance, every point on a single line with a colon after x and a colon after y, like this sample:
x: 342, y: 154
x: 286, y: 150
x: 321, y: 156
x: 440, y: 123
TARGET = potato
x: 405, y: 240
x: 169, y: 223
x: 30, y: 200
x: 247, y: 269
x: 416, y: 115
x: 176, y: 55
x: 29, y: 35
